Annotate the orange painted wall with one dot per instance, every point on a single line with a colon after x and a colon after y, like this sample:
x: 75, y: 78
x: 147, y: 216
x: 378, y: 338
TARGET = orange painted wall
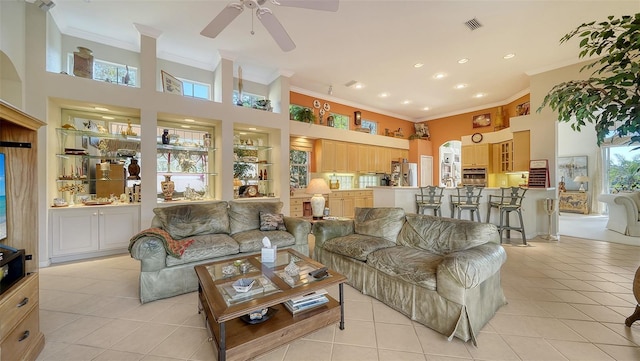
x: 454, y: 127
x: 384, y: 121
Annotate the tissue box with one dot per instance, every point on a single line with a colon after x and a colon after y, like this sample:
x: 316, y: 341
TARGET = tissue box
x: 269, y: 254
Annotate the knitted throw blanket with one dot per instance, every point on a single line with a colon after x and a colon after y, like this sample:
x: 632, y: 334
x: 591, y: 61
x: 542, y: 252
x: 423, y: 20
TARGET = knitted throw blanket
x: 174, y: 247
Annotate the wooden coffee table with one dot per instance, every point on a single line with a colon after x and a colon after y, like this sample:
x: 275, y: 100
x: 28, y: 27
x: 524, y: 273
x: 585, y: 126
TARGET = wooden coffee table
x: 226, y: 312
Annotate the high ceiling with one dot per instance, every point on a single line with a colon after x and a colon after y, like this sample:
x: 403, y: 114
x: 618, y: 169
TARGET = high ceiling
x: 375, y: 43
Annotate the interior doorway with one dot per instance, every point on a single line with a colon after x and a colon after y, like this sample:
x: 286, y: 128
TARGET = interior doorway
x: 426, y: 170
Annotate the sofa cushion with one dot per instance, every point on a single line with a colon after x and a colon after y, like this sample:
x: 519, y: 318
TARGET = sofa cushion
x: 194, y: 219
x: 379, y: 222
x: 251, y: 241
x: 272, y: 222
x: 245, y: 216
x: 208, y: 246
x: 407, y: 263
x: 356, y: 246
x: 443, y: 235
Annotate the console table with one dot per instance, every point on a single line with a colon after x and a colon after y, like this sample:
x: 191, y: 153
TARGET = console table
x: 576, y: 202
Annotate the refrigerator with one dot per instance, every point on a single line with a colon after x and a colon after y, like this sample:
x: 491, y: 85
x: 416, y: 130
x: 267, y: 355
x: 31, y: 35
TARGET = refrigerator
x: 404, y: 174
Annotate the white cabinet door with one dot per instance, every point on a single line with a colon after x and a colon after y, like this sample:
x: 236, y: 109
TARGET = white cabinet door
x: 117, y: 226
x: 74, y: 231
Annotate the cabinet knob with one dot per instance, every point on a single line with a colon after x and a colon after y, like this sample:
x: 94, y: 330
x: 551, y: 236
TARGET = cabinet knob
x: 95, y: 213
x: 24, y: 336
x: 23, y: 302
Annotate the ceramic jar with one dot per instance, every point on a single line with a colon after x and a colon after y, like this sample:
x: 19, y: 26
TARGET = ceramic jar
x: 83, y: 63
x: 134, y: 169
x: 168, y: 187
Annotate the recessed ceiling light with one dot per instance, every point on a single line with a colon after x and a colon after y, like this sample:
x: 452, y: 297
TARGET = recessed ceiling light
x: 383, y: 95
x: 509, y: 56
x: 463, y: 60
x: 189, y: 120
x: 418, y: 65
x: 479, y: 95
x: 186, y: 126
x: 439, y: 75
x: 461, y: 86
x: 252, y: 128
x: 425, y: 108
x: 242, y: 133
x: 108, y: 118
x: 405, y: 102
x: 358, y: 86
x: 102, y: 109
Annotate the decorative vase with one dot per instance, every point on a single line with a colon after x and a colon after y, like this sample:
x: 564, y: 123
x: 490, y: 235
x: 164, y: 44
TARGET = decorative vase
x: 167, y: 187
x: 83, y: 63
x: 134, y: 169
x: 165, y: 136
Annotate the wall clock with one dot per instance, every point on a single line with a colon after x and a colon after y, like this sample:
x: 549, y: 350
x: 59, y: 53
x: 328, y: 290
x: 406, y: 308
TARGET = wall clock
x: 357, y: 117
x: 476, y: 137
x: 252, y: 190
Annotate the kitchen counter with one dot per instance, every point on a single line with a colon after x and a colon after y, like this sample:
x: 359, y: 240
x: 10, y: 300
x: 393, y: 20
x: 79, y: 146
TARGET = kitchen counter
x: 535, y: 217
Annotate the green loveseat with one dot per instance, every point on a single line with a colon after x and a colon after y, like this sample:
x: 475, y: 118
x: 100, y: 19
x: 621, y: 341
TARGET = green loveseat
x: 441, y: 272
x: 219, y: 230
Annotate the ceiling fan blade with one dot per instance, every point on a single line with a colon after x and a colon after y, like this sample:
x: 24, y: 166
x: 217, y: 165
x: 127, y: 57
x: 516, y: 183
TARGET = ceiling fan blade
x: 224, y: 18
x: 325, y: 5
x: 276, y: 29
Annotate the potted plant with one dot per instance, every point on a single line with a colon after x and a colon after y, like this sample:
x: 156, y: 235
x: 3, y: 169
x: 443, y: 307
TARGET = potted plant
x: 305, y: 115
x: 610, y: 98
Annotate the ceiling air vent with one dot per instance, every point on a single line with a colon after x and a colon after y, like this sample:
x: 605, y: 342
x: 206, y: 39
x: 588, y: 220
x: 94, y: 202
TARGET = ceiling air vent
x: 473, y: 24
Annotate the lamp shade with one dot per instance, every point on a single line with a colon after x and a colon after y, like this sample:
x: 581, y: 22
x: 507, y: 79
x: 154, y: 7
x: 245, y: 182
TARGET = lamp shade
x: 318, y: 186
x: 581, y: 179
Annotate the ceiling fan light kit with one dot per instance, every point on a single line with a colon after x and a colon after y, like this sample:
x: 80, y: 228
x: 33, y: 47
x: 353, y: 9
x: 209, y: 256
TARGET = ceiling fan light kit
x: 266, y: 17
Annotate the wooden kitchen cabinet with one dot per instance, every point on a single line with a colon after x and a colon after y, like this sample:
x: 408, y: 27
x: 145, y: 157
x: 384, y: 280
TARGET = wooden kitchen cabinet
x: 477, y: 155
x: 364, y: 158
x: 352, y: 158
x: 342, y: 204
x: 521, y: 151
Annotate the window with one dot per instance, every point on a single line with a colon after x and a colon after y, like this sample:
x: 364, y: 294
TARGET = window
x: 248, y: 100
x: 195, y: 89
x: 340, y: 121
x: 373, y: 126
x: 623, y: 168
x: 299, y: 168
x: 110, y: 72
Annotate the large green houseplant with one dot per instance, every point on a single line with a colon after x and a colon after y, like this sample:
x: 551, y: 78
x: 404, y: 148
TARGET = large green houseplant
x: 610, y: 98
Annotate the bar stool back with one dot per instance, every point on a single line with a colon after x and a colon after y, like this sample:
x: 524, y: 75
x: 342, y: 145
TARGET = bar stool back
x: 430, y: 197
x: 467, y: 199
x: 510, y: 200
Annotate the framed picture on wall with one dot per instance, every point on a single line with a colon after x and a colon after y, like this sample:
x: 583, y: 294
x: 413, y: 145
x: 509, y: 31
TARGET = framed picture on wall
x: 570, y: 168
x: 171, y: 84
x: 482, y: 120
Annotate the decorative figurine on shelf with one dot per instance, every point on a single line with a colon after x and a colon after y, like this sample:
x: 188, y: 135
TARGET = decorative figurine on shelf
x: 134, y: 169
x: 165, y: 136
x: 561, y: 185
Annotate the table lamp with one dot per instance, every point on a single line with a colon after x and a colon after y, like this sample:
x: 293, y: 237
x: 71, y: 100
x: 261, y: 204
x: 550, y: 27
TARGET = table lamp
x: 582, y: 179
x: 317, y: 187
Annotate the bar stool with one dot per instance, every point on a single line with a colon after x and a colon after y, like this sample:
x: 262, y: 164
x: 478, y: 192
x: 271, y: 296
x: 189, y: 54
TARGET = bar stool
x: 509, y: 200
x: 430, y: 197
x: 467, y: 199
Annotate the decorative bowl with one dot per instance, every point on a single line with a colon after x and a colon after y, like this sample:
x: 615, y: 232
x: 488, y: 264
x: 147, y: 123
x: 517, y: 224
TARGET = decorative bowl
x: 243, y: 284
x: 257, y: 315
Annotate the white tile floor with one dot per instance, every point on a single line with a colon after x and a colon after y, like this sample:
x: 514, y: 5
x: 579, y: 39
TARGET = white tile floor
x: 567, y: 301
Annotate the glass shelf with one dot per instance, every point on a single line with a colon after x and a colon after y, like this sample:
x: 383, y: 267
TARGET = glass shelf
x: 75, y: 132
x: 178, y: 174
x: 90, y: 156
x: 256, y: 163
x: 251, y: 147
x: 169, y: 148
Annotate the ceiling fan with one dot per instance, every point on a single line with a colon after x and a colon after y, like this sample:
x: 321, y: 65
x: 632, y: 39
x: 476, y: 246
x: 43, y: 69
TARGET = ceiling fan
x: 266, y: 17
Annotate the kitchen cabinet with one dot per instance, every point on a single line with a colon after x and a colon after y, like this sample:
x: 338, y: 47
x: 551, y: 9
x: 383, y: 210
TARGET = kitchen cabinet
x: 90, y: 231
x: 352, y: 158
x: 477, y: 155
x: 521, y: 151
x: 382, y: 160
x: 364, y: 159
x: 341, y: 157
x: 300, y: 207
x: 363, y: 199
x: 342, y: 204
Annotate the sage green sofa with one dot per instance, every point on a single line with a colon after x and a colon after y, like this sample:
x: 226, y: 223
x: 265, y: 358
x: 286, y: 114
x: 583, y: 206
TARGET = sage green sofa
x: 443, y: 273
x: 219, y: 230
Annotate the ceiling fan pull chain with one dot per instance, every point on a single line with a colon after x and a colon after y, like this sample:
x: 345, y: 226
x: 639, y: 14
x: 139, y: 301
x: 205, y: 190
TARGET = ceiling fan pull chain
x: 252, y: 17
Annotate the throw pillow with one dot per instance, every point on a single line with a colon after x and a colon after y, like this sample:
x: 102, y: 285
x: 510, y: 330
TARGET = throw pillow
x: 194, y: 219
x: 245, y: 216
x: 272, y: 222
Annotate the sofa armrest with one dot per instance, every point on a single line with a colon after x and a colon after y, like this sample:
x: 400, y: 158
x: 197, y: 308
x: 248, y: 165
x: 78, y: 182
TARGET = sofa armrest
x: 150, y: 252
x: 326, y: 230
x: 466, y: 269
x: 299, y: 228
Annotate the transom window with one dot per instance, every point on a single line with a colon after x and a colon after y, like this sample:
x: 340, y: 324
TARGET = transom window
x: 248, y: 100
x: 192, y: 88
x: 298, y: 168
x: 373, y: 126
x: 340, y: 121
